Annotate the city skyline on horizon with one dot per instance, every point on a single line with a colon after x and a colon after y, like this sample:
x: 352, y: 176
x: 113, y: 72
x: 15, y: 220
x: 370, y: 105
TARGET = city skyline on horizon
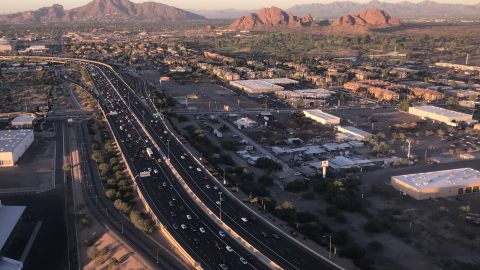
x: 27, y: 5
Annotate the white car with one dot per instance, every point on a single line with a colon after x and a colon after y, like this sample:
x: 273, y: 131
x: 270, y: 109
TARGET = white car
x: 190, y: 167
x: 229, y: 248
x: 244, y: 219
x: 215, y: 187
x: 198, y: 169
x: 243, y: 261
x: 189, y: 217
x: 183, y: 226
x: 207, y: 186
x: 202, y: 230
x: 182, y: 157
x: 221, y: 233
x: 217, y: 202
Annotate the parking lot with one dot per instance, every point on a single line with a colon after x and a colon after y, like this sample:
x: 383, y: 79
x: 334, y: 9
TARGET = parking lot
x: 34, y: 170
x: 207, y: 96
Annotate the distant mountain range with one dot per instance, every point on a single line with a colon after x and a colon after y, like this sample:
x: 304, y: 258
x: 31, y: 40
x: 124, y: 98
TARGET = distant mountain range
x: 274, y: 18
x: 103, y: 10
x: 406, y: 10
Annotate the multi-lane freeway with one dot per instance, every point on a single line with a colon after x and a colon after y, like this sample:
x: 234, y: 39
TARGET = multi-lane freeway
x: 197, y: 234
x: 137, y: 127
x: 276, y: 245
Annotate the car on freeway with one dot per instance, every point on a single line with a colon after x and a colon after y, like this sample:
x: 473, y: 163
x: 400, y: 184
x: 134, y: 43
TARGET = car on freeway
x: 229, y: 248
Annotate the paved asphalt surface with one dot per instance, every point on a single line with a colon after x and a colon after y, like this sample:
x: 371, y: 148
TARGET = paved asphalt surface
x: 168, y: 200
x: 172, y: 204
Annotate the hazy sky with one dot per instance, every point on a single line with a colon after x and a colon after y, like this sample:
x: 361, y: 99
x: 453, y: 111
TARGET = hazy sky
x: 8, y: 6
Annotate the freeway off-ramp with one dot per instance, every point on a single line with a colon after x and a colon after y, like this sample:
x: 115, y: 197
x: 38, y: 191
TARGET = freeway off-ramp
x: 136, y: 129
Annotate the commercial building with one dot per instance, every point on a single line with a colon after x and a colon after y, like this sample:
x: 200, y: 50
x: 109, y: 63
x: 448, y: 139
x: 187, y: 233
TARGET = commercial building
x: 23, y: 121
x: 438, y: 184
x: 13, y: 143
x: 256, y: 86
x: 355, y: 132
x: 322, y: 117
x: 448, y: 117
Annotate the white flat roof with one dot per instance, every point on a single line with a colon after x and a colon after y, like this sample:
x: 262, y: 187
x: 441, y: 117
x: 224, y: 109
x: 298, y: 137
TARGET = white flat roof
x: 280, y: 81
x: 10, y: 139
x: 9, y: 215
x: 257, y: 84
x: 354, y: 130
x: 321, y: 114
x: 439, y: 179
x: 440, y: 111
x: 23, y: 119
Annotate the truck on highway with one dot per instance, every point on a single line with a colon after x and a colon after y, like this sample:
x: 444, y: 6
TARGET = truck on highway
x: 149, y: 152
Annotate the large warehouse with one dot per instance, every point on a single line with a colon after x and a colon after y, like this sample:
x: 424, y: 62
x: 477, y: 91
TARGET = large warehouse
x: 322, y: 117
x: 422, y: 186
x: 13, y: 143
x: 448, y: 117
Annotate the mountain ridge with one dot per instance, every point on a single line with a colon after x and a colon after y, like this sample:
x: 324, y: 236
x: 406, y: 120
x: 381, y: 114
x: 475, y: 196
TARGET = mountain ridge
x: 274, y: 18
x: 407, y: 10
x: 270, y: 18
x: 102, y: 10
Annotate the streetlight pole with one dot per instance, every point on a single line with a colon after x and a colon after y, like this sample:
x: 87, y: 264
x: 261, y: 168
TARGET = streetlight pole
x: 224, y: 179
x: 168, y: 149
x: 330, y: 247
x: 220, y: 194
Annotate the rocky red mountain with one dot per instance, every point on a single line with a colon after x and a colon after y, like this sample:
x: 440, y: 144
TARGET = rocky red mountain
x: 273, y: 17
x: 372, y: 18
x: 103, y: 10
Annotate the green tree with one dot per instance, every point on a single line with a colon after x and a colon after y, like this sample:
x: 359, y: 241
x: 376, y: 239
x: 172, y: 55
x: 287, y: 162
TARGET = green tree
x: 122, y: 206
x: 286, y: 211
x: 97, y: 156
x: 141, y: 222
